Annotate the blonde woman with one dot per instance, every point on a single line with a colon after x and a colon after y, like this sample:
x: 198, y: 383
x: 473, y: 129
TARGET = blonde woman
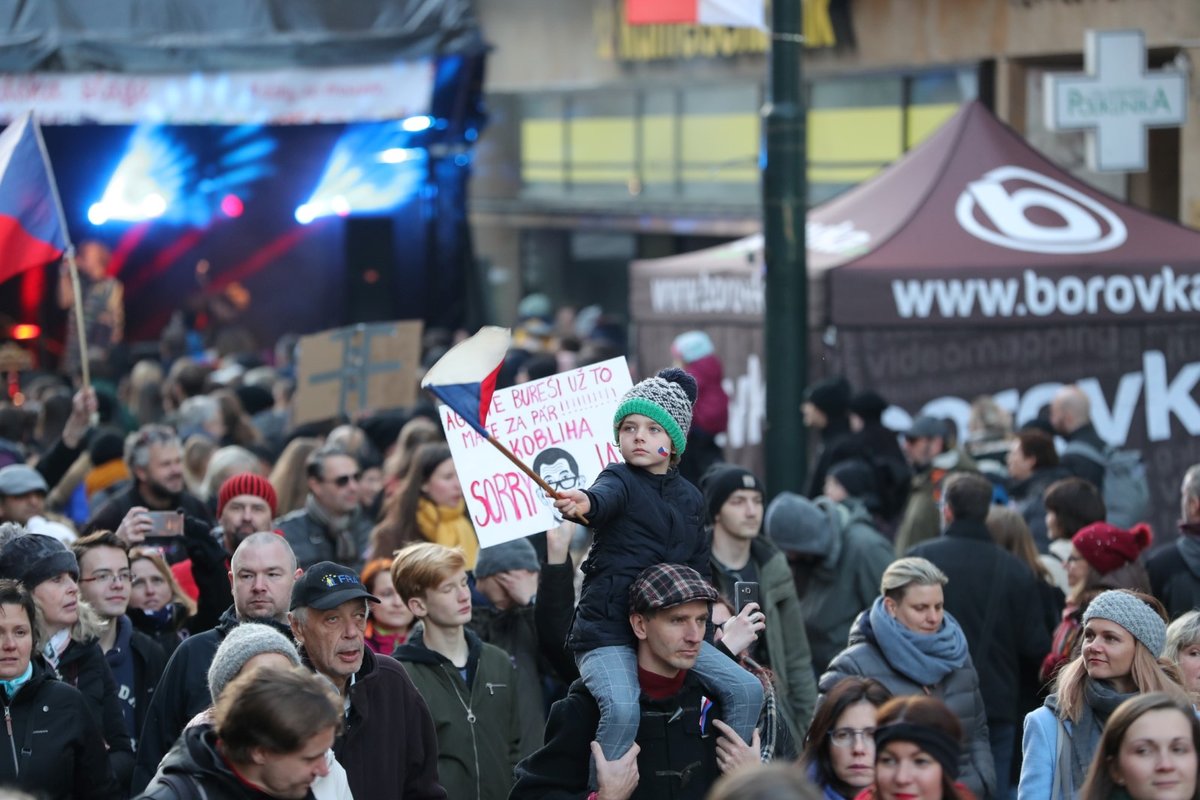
x: 1123, y: 636
x: 158, y: 606
x: 908, y: 642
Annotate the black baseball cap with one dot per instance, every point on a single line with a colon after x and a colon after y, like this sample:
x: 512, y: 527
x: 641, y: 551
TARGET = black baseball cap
x: 327, y: 585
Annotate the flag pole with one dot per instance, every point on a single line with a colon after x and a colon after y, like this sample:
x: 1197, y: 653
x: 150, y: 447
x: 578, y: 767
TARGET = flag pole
x: 545, y: 487
x: 69, y: 255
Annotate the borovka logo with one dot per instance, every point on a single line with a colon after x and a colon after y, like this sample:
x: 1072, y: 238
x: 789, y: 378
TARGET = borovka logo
x: 1021, y: 209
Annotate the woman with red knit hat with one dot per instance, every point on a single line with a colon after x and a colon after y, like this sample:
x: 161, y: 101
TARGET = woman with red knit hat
x: 1102, y: 557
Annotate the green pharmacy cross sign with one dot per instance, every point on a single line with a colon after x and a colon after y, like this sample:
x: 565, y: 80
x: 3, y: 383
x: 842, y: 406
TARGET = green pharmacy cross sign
x: 1116, y: 100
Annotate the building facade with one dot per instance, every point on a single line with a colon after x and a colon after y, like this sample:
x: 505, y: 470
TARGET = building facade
x: 609, y: 142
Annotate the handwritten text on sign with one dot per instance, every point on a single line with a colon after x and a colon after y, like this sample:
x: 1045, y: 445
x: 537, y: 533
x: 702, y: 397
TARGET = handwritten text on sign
x: 561, y: 426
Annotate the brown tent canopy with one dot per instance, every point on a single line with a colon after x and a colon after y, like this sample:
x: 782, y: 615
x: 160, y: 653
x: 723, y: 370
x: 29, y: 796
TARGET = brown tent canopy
x: 971, y: 266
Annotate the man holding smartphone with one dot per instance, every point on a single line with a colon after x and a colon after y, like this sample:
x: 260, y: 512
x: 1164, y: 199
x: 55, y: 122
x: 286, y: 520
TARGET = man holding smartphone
x: 742, y: 559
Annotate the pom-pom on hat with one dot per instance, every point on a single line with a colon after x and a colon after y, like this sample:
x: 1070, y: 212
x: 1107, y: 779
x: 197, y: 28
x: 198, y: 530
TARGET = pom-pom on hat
x: 667, y: 399
x: 1107, y: 547
x: 1132, y: 614
x: 246, y: 483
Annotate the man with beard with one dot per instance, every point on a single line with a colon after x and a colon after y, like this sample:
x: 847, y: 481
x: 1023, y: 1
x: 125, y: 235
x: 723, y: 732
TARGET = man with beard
x: 262, y: 572
x: 245, y: 504
x: 154, y: 456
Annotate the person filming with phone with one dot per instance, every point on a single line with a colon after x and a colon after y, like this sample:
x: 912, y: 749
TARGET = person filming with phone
x: 154, y: 456
x: 749, y: 569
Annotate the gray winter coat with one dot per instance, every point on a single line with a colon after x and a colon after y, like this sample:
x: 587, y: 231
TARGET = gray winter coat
x: 845, y: 582
x: 959, y: 690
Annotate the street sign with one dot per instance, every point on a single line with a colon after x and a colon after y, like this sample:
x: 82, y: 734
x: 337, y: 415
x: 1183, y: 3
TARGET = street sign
x: 1116, y: 99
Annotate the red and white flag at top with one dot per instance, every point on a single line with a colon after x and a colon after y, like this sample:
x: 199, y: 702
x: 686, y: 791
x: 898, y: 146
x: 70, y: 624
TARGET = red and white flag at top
x: 734, y: 13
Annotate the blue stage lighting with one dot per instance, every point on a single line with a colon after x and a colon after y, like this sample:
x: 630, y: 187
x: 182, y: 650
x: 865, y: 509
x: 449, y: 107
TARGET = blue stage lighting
x: 148, y: 179
x: 369, y: 171
x: 417, y: 124
x: 174, y: 175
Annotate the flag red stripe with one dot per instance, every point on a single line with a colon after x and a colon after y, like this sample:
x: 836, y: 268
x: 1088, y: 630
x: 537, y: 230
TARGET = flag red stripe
x: 20, y: 250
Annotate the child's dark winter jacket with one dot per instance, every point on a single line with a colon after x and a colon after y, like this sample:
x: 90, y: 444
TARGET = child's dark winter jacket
x: 640, y: 519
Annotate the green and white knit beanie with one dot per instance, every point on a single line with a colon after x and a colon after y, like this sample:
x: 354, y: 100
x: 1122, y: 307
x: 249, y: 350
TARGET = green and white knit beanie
x: 667, y: 399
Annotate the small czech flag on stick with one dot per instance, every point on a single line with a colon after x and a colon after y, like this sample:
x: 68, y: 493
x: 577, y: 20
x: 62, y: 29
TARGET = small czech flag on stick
x: 465, y: 380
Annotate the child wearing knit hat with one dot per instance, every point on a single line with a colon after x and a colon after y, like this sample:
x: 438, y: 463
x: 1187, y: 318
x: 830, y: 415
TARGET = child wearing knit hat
x: 644, y: 513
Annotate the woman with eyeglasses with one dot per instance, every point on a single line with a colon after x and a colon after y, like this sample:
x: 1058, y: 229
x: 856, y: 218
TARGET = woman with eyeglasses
x: 158, y: 606
x: 1102, y: 557
x: 1123, y: 636
x: 839, y: 751
x: 1147, y: 752
x: 918, y: 747
x: 55, y: 748
x: 429, y: 507
x: 908, y: 642
x: 69, y: 630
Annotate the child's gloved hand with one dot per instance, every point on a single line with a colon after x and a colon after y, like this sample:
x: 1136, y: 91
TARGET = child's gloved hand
x: 572, y: 503
x: 742, y: 631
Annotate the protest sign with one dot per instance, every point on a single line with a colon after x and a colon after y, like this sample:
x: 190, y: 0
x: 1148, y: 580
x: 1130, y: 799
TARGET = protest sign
x: 360, y: 367
x: 561, y: 426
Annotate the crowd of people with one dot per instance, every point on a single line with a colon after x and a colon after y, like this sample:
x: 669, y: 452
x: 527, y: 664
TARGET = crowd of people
x: 199, y: 598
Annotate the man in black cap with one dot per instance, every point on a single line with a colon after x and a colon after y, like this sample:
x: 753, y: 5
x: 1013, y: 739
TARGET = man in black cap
x: 733, y: 497
x: 931, y: 459
x: 669, y: 609
x: 388, y: 745
x: 826, y: 406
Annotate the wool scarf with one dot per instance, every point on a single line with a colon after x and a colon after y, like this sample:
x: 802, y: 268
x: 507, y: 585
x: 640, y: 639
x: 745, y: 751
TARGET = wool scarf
x: 1100, y: 700
x: 924, y: 658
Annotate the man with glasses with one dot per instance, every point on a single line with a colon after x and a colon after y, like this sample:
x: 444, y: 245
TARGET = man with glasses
x: 136, y: 660
x: 558, y: 468
x: 332, y: 525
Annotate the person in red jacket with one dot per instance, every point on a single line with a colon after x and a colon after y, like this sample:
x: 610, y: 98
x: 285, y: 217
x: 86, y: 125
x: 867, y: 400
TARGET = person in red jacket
x: 694, y: 352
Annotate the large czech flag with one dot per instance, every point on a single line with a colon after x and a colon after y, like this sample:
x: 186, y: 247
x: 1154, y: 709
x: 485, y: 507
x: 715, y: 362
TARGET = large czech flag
x: 31, y: 231
x: 734, y: 13
x: 465, y: 378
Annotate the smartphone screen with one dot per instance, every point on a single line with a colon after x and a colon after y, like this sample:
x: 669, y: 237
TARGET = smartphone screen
x: 166, y: 523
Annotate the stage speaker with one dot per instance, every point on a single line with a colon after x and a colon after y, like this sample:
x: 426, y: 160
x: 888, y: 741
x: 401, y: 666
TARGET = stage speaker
x: 371, y: 264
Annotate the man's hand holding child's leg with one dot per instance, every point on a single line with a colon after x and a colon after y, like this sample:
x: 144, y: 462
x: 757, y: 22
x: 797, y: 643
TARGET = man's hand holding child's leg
x: 615, y: 780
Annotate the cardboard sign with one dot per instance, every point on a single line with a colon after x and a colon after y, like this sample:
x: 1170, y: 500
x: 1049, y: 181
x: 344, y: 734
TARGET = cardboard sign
x: 560, y: 426
x: 361, y: 367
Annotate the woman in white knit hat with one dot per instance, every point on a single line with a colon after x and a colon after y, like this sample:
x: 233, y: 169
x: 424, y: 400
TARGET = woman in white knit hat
x: 1123, y: 637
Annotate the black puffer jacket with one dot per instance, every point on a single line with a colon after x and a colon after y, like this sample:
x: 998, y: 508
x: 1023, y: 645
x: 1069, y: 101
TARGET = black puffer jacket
x: 640, y: 519
x: 82, y: 666
x: 60, y: 743
x: 195, y: 766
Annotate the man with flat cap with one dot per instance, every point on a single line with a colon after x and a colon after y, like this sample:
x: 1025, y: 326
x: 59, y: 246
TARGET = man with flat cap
x: 387, y: 745
x: 680, y: 735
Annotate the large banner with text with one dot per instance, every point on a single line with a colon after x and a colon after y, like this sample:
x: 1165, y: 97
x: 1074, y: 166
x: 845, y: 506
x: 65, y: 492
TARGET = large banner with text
x: 560, y: 426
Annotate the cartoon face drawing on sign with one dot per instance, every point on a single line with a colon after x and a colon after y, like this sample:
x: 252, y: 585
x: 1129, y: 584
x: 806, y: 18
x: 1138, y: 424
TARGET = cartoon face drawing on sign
x: 558, y: 468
